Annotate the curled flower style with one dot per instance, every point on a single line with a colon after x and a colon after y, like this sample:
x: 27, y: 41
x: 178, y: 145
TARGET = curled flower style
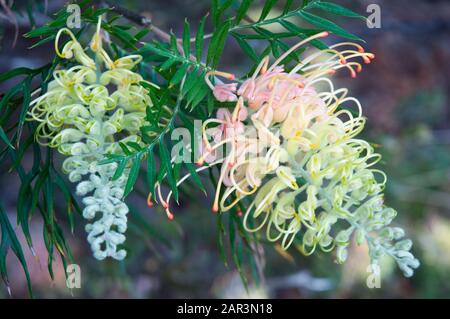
x: 309, y: 181
x: 87, y: 111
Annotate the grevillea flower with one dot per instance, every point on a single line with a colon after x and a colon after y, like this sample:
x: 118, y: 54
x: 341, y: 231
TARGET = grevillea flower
x: 309, y: 181
x: 82, y: 114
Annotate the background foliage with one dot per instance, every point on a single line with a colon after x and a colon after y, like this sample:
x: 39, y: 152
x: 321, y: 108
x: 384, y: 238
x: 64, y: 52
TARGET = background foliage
x: 183, y: 258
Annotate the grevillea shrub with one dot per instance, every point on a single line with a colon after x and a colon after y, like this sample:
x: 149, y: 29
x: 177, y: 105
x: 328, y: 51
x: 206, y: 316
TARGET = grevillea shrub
x: 292, y: 167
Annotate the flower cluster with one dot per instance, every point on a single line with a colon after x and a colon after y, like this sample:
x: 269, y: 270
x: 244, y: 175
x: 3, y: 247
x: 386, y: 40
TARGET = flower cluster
x: 87, y: 111
x: 293, y: 156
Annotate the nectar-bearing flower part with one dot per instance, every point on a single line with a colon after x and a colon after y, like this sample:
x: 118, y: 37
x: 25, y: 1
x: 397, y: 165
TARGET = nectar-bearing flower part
x: 86, y: 112
x: 293, y: 158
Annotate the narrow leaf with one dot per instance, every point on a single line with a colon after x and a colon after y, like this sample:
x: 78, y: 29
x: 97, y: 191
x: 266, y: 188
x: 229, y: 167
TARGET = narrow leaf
x: 132, y: 177
x: 327, y: 25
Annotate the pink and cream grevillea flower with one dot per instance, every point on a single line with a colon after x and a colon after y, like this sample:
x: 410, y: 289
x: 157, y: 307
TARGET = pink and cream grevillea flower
x: 303, y: 171
x: 292, y: 157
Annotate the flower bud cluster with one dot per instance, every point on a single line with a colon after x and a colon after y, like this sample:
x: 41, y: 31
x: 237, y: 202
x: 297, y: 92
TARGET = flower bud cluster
x: 88, y: 109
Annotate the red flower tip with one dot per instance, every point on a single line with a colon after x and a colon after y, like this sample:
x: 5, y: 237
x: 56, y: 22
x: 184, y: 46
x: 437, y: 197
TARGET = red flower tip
x: 199, y: 163
x: 149, y: 200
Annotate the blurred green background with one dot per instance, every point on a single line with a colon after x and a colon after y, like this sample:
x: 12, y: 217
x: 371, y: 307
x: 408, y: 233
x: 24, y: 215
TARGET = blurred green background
x: 405, y: 95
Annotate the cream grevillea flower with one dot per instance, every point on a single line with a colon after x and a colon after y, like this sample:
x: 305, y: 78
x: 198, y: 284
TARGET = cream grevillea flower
x: 307, y: 174
x: 82, y: 113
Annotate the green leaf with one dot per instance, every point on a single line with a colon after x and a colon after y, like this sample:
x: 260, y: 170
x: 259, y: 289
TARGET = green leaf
x: 125, y: 148
x: 25, y: 106
x: 9, y: 239
x: 132, y: 177
x: 134, y: 145
x: 211, y: 101
x: 4, y: 137
x: 326, y: 25
x: 246, y: 47
x: 179, y: 74
x: 9, y: 95
x: 220, y: 232
x: 124, y: 36
x: 194, y: 175
x: 191, y: 81
x: 267, y: 8
x: 24, y: 200
x: 242, y: 10
x: 151, y: 171
x: 153, y: 231
x: 15, y: 72
x: 166, y: 65
x: 217, y: 44
x: 119, y: 170
x: 215, y: 12
x: 199, y: 39
x: 335, y: 9
x: 186, y: 39
x: 202, y: 91
x: 142, y: 33
x: 287, y: 6
x: 166, y: 162
x: 304, y: 33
